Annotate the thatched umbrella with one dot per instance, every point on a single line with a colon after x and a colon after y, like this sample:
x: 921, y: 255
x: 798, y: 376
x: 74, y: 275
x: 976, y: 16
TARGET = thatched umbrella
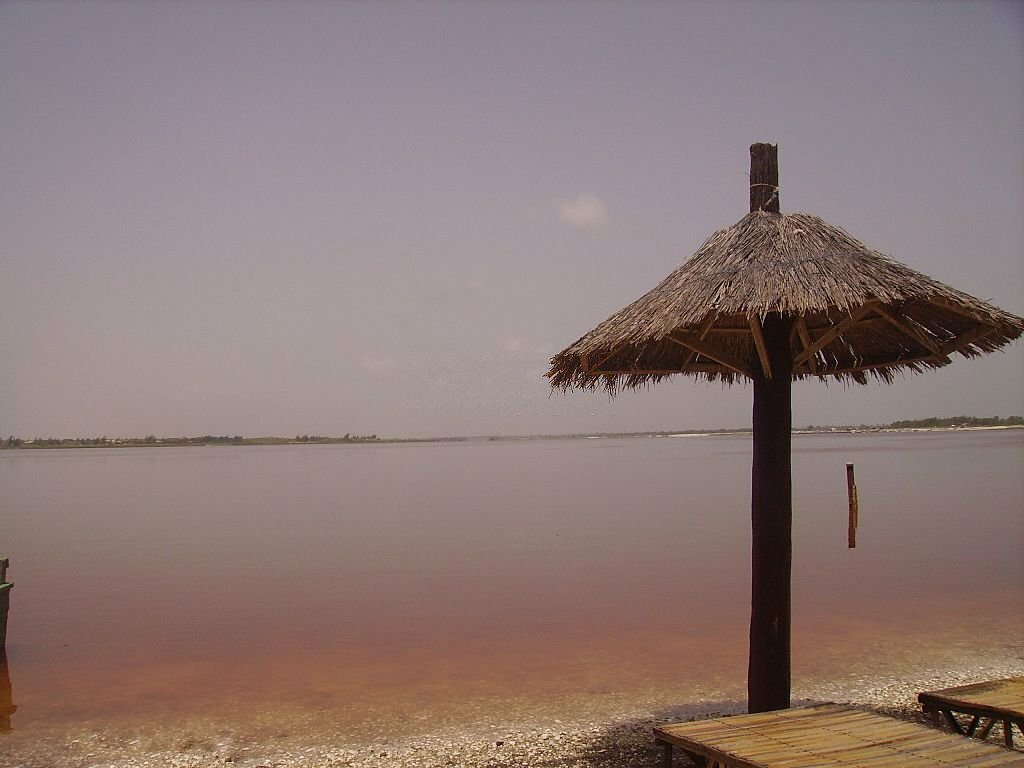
x: 772, y: 298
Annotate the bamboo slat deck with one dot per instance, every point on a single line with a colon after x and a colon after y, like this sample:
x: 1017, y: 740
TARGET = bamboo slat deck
x: 997, y: 701
x: 826, y: 735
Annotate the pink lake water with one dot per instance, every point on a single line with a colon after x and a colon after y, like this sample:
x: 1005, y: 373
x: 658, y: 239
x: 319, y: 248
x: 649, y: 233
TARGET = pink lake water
x: 458, y: 582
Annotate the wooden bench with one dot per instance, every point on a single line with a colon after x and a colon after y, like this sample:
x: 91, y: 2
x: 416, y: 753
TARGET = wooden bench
x: 994, y: 701
x: 826, y: 735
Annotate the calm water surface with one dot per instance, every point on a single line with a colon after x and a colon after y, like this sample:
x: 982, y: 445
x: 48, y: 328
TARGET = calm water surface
x: 354, y: 580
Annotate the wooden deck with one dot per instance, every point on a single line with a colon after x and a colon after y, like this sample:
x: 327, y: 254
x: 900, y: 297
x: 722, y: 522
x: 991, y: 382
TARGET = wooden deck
x: 826, y: 735
x: 998, y: 701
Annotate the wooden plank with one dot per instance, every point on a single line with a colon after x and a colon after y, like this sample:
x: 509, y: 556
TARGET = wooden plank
x: 699, y: 368
x: 666, y: 753
x: 691, y: 341
x: 952, y: 722
x: 965, y: 338
x: 701, y: 334
x: 762, y: 350
x: 1004, y: 696
x: 805, y: 341
x: 826, y: 735
x: 1001, y: 700
x: 913, y: 332
x: 973, y: 726
x: 835, y: 331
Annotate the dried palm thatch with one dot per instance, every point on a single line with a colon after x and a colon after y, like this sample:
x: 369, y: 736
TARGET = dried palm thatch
x: 857, y: 312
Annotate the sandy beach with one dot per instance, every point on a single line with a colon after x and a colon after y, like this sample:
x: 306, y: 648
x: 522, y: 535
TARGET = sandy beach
x: 584, y: 730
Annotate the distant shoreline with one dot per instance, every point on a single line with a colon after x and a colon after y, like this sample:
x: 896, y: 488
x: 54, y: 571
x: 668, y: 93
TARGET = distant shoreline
x: 950, y: 424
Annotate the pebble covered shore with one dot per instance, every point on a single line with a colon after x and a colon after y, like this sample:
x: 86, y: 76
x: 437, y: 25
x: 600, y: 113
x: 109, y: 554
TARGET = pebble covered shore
x: 584, y: 733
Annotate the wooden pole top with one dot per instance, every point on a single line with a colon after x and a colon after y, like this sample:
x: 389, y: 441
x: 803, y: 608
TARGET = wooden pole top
x: 764, y: 178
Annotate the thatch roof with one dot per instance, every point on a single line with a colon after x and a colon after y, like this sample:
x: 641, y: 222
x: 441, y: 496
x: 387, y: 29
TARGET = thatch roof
x: 857, y: 312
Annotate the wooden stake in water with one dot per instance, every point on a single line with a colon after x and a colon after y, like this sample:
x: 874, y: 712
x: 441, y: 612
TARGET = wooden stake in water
x: 851, y: 493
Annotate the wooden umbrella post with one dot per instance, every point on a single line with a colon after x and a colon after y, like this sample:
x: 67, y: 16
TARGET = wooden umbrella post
x: 768, y: 673
x: 764, y: 178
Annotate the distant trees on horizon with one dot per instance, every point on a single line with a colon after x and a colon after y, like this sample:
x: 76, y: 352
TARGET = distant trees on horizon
x: 152, y: 440
x: 933, y: 422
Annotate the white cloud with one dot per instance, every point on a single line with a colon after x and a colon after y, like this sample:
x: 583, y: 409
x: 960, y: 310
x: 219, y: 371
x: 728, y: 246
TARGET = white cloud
x: 378, y: 364
x: 476, y: 284
x: 584, y: 212
x: 516, y: 344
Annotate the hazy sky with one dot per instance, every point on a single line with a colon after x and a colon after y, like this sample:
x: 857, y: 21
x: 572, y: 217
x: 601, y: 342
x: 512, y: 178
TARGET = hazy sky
x: 271, y: 218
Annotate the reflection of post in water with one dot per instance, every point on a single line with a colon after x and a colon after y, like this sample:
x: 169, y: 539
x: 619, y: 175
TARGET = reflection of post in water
x: 7, y: 706
x: 5, y: 600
